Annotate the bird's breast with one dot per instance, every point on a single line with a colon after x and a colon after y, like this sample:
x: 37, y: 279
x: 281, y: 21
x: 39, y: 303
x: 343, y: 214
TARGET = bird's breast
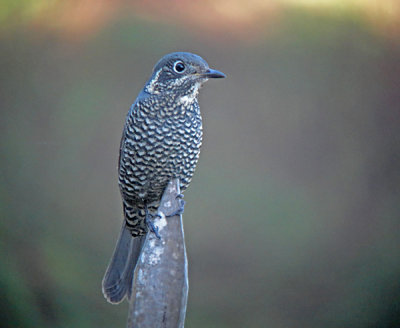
x: 156, y: 148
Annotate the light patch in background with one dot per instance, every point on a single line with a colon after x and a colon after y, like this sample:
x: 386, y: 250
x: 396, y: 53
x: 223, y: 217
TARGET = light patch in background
x: 229, y: 19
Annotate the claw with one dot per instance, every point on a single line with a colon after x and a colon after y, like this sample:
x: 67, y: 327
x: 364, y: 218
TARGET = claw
x: 150, y: 224
x: 181, y: 208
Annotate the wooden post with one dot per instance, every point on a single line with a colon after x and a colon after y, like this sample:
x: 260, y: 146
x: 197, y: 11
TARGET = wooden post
x: 160, y: 286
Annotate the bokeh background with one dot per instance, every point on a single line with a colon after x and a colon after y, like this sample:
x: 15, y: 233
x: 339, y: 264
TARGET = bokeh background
x: 292, y: 218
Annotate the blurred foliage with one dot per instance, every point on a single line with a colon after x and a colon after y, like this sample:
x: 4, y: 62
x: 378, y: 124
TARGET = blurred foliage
x: 292, y: 216
x: 218, y: 19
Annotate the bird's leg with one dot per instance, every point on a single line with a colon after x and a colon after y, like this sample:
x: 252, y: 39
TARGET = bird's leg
x: 181, y: 208
x: 150, y: 224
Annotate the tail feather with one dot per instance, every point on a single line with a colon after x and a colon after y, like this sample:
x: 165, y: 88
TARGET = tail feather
x: 117, y: 281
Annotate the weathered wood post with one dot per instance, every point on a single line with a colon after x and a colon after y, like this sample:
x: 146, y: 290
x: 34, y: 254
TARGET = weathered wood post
x: 160, y: 284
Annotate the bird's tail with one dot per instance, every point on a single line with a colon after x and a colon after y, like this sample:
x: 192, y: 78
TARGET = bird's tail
x: 117, y: 281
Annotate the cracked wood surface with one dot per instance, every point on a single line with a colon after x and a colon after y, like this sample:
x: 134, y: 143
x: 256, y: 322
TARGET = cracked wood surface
x: 160, y: 286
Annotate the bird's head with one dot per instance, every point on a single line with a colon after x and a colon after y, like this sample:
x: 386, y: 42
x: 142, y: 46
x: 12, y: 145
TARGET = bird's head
x: 180, y: 73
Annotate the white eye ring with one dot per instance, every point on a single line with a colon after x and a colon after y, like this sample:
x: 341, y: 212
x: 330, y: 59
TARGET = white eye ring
x: 179, y: 67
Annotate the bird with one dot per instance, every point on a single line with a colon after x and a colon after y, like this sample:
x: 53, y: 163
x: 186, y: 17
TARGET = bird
x: 161, y: 141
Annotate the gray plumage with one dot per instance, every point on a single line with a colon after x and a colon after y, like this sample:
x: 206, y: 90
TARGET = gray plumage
x: 161, y: 140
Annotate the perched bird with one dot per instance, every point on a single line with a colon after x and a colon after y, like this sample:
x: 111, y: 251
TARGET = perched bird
x: 161, y: 141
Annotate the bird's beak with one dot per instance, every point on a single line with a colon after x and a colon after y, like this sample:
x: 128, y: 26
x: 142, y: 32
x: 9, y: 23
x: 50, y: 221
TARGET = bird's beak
x: 213, y: 74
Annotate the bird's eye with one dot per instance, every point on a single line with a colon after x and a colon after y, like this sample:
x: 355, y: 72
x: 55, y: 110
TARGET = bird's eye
x: 179, y: 67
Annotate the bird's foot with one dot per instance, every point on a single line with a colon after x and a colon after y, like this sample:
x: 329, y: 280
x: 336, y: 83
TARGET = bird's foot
x: 152, y: 227
x: 150, y: 224
x: 181, y: 208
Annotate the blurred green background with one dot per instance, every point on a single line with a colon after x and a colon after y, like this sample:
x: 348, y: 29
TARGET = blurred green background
x: 292, y: 218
